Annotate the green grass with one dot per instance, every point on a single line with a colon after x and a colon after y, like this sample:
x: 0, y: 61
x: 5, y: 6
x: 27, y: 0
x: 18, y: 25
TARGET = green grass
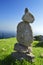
x: 7, y: 47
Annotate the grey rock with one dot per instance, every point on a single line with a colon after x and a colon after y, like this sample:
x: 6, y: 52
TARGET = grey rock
x: 28, y: 17
x: 21, y: 48
x: 25, y: 38
x: 24, y: 34
x: 20, y: 56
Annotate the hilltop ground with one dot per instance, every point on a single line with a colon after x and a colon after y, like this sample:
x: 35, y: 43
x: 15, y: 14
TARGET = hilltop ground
x: 7, y: 47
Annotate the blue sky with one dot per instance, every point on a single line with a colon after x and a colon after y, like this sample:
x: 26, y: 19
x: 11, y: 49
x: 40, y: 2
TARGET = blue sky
x: 11, y: 12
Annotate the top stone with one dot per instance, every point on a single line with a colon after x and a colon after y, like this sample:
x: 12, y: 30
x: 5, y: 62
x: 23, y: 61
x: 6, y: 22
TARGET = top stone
x: 28, y: 17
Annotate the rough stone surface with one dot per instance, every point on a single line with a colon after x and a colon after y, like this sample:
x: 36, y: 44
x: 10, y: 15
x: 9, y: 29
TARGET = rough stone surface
x: 25, y: 38
x: 21, y: 48
x: 24, y: 34
x: 20, y: 56
x: 28, y: 17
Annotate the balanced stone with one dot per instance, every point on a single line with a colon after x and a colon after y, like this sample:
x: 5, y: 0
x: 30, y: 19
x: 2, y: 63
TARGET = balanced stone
x: 28, y: 17
x: 24, y: 37
x: 24, y: 34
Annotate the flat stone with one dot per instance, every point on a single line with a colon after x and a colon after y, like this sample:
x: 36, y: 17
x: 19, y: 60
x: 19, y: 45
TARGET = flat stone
x: 20, y: 56
x: 21, y: 48
x: 30, y: 55
x: 24, y: 34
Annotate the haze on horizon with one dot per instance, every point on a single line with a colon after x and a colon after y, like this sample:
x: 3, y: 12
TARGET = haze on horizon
x: 11, y: 12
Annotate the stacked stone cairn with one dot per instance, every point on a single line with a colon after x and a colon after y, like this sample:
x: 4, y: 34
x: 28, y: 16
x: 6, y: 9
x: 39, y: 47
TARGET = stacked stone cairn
x: 25, y: 38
